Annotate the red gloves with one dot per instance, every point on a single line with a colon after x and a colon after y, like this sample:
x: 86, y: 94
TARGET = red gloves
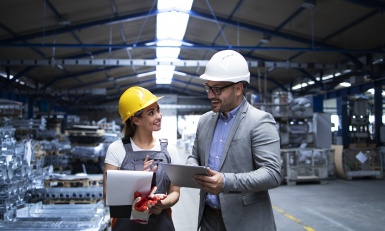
x: 141, y: 208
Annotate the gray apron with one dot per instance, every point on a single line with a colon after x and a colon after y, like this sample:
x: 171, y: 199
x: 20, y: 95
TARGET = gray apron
x: 134, y: 161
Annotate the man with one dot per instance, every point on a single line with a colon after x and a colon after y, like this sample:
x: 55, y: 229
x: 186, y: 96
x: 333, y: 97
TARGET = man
x: 240, y: 145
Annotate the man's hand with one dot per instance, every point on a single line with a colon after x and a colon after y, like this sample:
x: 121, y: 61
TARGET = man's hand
x: 212, y: 184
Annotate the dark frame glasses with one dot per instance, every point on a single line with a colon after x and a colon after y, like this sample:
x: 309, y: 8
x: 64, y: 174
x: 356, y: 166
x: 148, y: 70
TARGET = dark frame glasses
x: 216, y: 90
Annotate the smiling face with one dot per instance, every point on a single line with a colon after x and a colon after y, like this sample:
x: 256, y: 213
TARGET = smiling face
x: 229, y: 97
x: 150, y: 119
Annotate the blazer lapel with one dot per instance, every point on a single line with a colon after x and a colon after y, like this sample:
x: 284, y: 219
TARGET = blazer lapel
x: 237, y: 120
x: 209, y: 131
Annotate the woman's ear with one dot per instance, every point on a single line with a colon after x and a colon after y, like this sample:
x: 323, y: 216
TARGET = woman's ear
x: 135, y: 120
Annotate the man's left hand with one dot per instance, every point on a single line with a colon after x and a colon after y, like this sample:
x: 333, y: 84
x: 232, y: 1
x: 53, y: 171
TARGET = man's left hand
x: 212, y: 184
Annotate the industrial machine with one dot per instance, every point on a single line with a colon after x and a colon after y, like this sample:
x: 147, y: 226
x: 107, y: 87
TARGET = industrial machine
x: 304, y: 159
x: 360, y: 156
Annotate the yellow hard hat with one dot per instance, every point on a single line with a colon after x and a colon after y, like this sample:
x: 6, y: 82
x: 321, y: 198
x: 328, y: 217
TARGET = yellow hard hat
x: 133, y: 100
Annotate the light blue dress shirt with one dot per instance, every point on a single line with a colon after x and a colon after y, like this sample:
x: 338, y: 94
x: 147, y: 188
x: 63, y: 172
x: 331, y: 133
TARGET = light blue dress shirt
x: 217, y: 145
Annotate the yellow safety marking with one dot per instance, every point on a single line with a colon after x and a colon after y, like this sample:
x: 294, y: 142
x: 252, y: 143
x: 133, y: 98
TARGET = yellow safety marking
x: 307, y: 228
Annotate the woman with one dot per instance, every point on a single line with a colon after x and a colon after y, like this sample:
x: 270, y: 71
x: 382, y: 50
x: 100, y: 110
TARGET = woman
x: 140, y: 150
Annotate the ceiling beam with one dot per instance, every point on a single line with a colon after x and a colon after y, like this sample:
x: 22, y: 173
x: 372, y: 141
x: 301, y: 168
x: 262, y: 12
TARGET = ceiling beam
x: 177, y: 63
x: 380, y: 6
x: 204, y: 47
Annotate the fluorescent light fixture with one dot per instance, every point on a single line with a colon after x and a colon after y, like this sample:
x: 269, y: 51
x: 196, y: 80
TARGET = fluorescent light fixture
x: 146, y: 74
x: 371, y: 91
x: 164, y: 74
x: 180, y: 4
x: 150, y: 44
x: 265, y: 39
x: 170, y: 30
x: 378, y: 61
x: 164, y: 54
x: 298, y: 86
x: 171, y: 25
x: 327, y: 77
x: 345, y: 84
x: 180, y: 73
x: 64, y: 22
x: 4, y: 75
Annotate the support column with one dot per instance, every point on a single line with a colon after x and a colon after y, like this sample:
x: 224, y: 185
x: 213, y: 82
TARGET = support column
x: 377, y: 113
x: 318, y: 103
x: 343, y: 128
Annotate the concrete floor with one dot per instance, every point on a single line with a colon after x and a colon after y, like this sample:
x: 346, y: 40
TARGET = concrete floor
x: 340, y: 205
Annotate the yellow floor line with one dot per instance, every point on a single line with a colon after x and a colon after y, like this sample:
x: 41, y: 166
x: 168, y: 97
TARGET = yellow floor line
x: 307, y: 228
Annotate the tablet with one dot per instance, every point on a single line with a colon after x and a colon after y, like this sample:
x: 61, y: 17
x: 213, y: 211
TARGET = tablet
x: 182, y: 175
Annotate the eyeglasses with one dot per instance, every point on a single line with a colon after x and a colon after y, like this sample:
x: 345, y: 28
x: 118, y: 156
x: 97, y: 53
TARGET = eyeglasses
x: 216, y: 90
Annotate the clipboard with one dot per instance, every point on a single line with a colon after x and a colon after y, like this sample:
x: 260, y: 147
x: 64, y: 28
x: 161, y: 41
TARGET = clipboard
x: 182, y: 175
x: 120, y: 188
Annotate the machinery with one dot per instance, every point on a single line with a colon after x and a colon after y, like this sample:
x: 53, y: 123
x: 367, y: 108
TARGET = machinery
x: 303, y: 158
x: 360, y: 156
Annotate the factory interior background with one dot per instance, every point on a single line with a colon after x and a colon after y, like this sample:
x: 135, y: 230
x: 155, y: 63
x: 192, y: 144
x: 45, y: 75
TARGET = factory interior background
x: 316, y: 65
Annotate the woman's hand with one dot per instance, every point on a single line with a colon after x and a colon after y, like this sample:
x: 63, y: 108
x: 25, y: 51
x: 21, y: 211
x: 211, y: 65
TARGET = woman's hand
x: 159, y: 205
x: 147, y: 164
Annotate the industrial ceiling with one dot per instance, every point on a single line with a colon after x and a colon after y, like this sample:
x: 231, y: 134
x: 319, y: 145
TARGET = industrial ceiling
x: 87, y: 52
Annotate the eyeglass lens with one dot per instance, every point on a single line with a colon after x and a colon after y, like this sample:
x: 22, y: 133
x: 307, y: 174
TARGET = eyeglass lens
x: 216, y: 90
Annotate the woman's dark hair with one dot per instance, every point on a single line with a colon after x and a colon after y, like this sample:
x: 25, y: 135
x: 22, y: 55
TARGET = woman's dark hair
x: 129, y: 126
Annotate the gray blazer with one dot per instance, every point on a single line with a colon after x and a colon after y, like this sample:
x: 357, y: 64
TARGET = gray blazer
x: 251, y: 164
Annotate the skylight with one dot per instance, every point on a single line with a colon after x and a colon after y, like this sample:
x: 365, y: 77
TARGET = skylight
x: 170, y: 30
x: 4, y: 75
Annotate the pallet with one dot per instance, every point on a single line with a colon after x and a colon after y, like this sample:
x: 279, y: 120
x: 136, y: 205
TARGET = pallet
x: 68, y: 183
x: 303, y: 179
x: 71, y: 201
x: 373, y: 174
x: 61, y: 168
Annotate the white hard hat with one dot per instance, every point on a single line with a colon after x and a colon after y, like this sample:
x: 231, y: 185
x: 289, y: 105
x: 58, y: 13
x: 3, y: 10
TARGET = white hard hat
x: 227, y: 65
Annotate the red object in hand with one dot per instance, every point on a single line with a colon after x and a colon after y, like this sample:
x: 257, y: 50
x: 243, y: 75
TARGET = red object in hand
x: 140, y: 209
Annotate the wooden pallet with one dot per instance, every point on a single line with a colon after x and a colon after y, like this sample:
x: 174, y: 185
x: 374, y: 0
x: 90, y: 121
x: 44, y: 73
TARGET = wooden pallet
x: 307, y: 179
x: 71, y: 201
x: 74, y: 182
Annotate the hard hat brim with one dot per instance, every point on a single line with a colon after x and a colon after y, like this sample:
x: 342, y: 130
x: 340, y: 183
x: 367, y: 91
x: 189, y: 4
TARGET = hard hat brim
x: 234, y: 79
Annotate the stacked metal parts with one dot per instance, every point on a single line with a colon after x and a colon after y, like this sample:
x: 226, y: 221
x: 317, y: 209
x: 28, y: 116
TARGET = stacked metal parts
x: 23, y: 189
x: 304, y: 159
x: 89, y: 144
x: 20, y: 172
x: 36, y: 192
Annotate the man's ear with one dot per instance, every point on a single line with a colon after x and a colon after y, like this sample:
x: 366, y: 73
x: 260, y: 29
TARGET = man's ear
x: 239, y: 87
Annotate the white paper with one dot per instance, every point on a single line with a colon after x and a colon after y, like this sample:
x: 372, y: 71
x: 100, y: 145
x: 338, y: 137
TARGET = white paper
x: 122, y: 184
x: 361, y: 157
